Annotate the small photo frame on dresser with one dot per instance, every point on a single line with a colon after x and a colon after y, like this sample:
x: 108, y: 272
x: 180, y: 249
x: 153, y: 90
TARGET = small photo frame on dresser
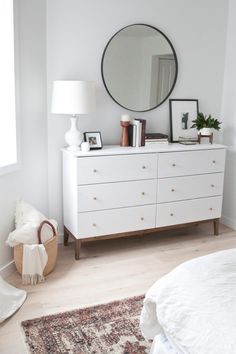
x: 182, y: 113
x: 94, y: 139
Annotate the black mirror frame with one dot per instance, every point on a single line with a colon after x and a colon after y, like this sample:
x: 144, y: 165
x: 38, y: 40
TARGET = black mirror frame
x: 176, y: 61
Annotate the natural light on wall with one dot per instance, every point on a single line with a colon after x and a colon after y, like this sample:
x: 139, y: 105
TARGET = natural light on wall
x: 8, y: 145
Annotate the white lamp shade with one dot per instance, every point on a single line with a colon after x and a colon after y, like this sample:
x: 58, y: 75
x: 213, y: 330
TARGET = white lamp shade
x: 73, y: 97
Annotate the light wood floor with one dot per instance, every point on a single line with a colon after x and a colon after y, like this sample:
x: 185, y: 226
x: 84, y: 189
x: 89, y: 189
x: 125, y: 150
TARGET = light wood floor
x: 109, y: 270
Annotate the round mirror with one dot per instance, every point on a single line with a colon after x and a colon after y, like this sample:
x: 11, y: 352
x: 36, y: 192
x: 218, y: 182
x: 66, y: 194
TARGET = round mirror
x: 139, y: 67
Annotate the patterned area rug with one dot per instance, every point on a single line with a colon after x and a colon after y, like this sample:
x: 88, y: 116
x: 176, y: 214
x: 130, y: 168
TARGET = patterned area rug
x: 102, y: 329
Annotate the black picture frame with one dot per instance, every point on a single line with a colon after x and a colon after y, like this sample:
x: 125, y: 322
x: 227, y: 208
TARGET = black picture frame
x: 190, y: 106
x: 94, y: 139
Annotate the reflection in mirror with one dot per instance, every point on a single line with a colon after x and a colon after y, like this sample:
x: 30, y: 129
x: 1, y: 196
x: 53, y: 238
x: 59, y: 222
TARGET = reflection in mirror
x: 139, y: 67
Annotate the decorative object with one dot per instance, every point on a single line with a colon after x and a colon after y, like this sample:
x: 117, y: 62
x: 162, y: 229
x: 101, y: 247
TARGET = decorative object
x: 94, y: 139
x: 125, y: 122
x: 85, y: 147
x: 112, y: 327
x: 205, y: 125
x: 123, y: 193
x: 73, y: 98
x: 188, y: 141
x: 208, y: 136
x: 145, y: 78
x: 11, y: 299
x: 125, y: 118
x: 51, y: 247
x: 156, y: 138
x: 182, y: 113
x: 27, y: 221
x: 34, y: 241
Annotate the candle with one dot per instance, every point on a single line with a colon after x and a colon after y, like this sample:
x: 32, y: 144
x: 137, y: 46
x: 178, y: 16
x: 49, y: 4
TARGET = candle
x: 125, y: 118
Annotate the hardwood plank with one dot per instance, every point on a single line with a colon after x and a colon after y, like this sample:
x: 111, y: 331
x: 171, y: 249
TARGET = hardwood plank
x: 109, y: 270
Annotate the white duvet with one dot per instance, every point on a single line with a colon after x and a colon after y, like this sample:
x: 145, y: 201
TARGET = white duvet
x: 195, y: 306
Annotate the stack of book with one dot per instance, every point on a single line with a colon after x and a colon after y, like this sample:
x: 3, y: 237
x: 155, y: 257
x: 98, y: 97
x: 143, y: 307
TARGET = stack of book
x: 137, y: 131
x: 156, y: 138
x: 188, y: 140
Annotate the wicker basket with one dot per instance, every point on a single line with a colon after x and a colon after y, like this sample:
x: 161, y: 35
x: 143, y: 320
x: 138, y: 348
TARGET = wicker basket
x: 50, y: 246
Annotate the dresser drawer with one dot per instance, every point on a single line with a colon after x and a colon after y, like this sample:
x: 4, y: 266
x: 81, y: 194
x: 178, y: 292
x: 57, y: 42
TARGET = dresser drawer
x: 103, y: 169
x: 188, y: 211
x: 174, y: 164
x: 116, y: 195
x: 189, y: 187
x: 113, y: 221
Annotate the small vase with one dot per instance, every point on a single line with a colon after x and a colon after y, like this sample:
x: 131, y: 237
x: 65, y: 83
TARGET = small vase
x: 205, y: 131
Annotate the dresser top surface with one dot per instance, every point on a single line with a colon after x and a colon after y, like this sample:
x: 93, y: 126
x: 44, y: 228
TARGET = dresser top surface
x: 151, y: 148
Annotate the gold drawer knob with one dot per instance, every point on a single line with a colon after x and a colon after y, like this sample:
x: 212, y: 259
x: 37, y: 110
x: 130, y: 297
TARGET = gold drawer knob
x: 143, y: 167
x: 210, y: 209
x: 143, y: 193
x: 141, y: 218
x: 94, y: 170
x: 171, y: 214
x: 213, y: 161
x: 172, y: 190
x: 173, y: 164
x: 94, y: 225
x: 94, y: 198
x: 212, y: 185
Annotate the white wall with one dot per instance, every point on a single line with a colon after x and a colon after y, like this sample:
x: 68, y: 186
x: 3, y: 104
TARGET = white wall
x: 77, y: 34
x: 229, y: 121
x: 30, y: 182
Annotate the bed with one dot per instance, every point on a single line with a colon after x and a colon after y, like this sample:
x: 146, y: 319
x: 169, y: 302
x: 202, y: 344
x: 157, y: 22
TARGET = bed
x: 192, y: 310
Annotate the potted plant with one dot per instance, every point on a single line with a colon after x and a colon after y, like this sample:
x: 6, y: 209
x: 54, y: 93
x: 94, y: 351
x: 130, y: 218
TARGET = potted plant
x: 205, y: 124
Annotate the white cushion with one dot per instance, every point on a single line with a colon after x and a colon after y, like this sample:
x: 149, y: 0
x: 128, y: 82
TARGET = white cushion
x: 27, y: 221
x: 26, y: 213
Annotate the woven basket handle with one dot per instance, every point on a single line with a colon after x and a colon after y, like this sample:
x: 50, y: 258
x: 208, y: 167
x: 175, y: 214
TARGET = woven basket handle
x: 40, y: 229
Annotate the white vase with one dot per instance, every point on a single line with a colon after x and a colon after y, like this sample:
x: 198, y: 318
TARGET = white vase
x: 205, y: 131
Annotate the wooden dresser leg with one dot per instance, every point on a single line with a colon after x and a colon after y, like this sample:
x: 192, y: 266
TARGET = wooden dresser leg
x: 77, y: 248
x: 66, y: 236
x: 216, y: 227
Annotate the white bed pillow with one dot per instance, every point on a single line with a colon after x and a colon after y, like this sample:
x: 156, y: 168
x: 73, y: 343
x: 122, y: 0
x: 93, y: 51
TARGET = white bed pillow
x: 27, y: 221
x: 26, y: 213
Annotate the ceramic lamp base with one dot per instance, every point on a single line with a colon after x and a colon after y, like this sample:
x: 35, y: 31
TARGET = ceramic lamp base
x: 73, y: 137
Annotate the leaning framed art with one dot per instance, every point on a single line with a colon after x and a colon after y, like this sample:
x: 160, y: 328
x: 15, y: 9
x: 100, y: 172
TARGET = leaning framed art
x: 182, y: 113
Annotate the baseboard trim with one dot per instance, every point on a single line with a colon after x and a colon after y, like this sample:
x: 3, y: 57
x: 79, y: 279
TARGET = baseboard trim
x: 7, y: 269
x: 228, y: 222
x: 60, y: 238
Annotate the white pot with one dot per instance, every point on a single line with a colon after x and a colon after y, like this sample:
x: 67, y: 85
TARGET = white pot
x: 205, y: 131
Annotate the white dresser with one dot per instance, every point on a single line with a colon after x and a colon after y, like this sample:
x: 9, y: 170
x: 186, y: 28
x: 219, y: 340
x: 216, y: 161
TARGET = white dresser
x: 118, y: 191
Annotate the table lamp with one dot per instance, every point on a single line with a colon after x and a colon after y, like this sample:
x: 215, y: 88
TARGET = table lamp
x: 73, y: 98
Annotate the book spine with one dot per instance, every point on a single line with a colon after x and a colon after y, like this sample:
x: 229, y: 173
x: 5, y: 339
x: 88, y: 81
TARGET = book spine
x: 130, y: 132
x: 138, y: 137
x: 137, y: 124
x: 143, y: 122
x: 134, y: 135
x: 143, y: 130
x: 155, y: 140
x: 156, y: 136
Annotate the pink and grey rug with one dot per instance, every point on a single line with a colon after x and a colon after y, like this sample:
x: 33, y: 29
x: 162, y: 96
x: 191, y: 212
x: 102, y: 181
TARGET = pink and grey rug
x: 102, y: 329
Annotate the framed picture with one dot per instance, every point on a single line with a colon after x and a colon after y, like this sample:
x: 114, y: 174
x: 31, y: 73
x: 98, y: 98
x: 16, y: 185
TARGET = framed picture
x: 94, y: 139
x: 182, y: 113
